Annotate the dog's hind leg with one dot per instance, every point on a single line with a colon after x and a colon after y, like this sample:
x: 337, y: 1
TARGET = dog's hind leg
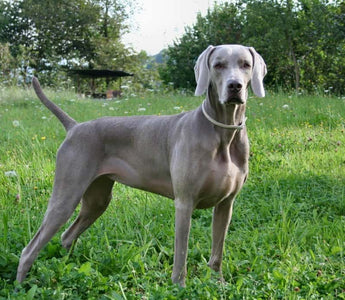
x: 95, y: 201
x: 72, y: 178
x: 57, y: 214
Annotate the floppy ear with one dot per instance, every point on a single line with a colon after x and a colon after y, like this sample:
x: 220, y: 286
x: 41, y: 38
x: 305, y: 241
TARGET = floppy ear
x: 259, y: 72
x: 201, y: 70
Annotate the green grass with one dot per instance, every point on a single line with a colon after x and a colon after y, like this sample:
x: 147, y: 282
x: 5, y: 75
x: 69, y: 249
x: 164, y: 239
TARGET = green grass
x: 286, y: 239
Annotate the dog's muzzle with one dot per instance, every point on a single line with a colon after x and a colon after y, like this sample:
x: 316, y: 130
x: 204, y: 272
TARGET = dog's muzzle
x: 234, y: 90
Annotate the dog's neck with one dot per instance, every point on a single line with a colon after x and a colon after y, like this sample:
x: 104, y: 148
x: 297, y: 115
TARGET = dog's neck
x: 230, y: 114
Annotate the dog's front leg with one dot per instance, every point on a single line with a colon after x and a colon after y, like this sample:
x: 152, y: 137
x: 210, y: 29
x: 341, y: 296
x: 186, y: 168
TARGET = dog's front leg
x: 221, y: 219
x: 183, y: 214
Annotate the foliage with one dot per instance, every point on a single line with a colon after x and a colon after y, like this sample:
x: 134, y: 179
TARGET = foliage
x: 302, y: 42
x: 146, y: 76
x: 7, y: 61
x: 220, y: 24
x: 286, y: 239
x: 66, y: 35
x: 82, y: 33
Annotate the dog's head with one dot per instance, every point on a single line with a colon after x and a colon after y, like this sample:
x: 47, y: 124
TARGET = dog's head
x: 230, y: 68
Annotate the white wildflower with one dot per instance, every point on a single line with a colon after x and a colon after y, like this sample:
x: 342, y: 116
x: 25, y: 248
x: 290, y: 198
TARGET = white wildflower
x: 141, y: 109
x: 16, y: 123
x: 11, y: 174
x: 285, y: 106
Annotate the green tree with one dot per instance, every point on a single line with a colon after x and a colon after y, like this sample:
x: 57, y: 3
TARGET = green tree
x: 222, y: 25
x: 302, y: 41
x: 323, y: 62
x: 146, y: 76
x: 50, y: 28
x: 74, y: 32
x: 7, y: 62
x: 106, y: 38
x: 272, y: 28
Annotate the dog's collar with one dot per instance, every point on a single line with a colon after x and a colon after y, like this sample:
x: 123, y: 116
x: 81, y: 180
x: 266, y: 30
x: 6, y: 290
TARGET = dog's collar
x: 222, y: 125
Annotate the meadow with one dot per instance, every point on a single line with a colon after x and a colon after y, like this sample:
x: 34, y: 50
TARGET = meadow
x: 287, y: 235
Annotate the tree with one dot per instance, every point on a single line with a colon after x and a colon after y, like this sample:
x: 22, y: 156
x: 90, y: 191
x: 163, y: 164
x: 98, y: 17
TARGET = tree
x: 67, y: 34
x: 323, y: 62
x: 220, y: 25
x: 81, y: 32
x: 7, y: 62
x: 272, y: 28
x: 302, y: 41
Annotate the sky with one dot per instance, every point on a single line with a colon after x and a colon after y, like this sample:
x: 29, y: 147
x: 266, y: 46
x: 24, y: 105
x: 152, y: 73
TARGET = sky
x: 159, y: 22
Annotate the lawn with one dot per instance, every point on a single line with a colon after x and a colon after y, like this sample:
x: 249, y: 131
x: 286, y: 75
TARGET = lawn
x: 286, y: 239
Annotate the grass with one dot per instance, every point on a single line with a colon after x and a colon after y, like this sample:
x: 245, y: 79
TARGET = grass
x: 286, y: 239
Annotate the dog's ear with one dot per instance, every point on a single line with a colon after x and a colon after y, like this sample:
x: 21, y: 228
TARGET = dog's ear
x: 259, y: 72
x: 202, y: 71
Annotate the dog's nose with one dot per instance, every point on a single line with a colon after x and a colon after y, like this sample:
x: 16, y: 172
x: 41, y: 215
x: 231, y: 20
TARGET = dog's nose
x: 234, y: 86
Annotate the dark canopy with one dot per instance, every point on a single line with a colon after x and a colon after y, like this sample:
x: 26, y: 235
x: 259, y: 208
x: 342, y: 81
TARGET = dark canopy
x: 98, y: 73
x: 92, y: 75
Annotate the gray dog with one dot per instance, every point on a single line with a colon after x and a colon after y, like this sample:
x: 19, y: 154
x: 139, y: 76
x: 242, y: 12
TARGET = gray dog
x: 198, y: 158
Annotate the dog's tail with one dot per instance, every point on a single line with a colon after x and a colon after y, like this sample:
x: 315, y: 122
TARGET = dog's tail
x: 64, y: 118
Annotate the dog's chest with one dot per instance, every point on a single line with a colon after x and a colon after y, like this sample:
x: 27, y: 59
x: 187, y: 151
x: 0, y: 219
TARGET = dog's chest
x: 223, y: 179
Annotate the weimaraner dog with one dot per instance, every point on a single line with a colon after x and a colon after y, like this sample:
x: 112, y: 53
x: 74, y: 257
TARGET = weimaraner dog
x: 198, y: 158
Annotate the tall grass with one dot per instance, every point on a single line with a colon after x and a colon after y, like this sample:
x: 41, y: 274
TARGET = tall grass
x: 286, y: 239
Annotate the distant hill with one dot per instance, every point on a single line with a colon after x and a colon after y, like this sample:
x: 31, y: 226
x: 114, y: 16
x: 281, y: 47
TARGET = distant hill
x: 159, y: 58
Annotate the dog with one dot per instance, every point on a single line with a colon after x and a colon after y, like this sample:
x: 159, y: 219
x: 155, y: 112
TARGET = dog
x: 197, y: 158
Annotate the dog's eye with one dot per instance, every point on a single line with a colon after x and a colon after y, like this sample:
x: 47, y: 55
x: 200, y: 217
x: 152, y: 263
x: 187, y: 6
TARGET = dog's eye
x: 246, y: 65
x: 219, y: 66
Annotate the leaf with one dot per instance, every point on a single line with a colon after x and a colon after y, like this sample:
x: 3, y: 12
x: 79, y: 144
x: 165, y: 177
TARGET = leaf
x: 31, y: 293
x: 239, y: 284
x: 277, y: 275
x: 336, y: 250
x: 115, y: 296
x: 85, y: 268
